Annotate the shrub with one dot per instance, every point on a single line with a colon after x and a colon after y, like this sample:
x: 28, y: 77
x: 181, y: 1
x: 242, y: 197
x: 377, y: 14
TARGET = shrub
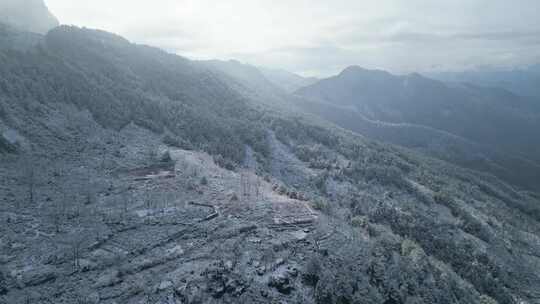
x: 224, y: 163
x: 166, y: 157
x: 359, y: 221
x: 386, y: 175
x: 293, y: 194
x: 204, y: 181
x: 301, y: 196
x: 320, y: 182
x: 322, y: 205
x: 484, y: 299
x: 470, y: 224
x: 174, y: 141
x: 443, y: 198
x: 408, y: 246
x: 6, y: 146
x: 312, y: 272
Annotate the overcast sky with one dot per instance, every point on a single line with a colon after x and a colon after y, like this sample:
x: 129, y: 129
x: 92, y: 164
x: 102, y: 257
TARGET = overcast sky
x: 321, y: 37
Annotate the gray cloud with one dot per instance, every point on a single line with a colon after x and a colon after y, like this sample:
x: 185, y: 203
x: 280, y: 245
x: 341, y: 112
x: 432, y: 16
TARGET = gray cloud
x: 322, y: 37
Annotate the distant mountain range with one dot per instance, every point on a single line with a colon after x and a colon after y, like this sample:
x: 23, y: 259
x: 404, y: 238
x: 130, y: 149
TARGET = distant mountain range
x: 486, y: 129
x: 288, y: 81
x: 27, y: 15
x: 525, y: 81
x: 482, y: 128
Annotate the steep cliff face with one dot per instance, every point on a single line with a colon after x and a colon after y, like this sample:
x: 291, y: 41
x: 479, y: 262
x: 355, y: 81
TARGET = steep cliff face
x: 28, y: 15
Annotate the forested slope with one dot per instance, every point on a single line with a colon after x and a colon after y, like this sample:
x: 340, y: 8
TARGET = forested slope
x: 485, y: 129
x: 383, y: 224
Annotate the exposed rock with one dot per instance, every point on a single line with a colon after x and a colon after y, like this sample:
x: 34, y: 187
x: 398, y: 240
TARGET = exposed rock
x: 86, y: 265
x: 165, y: 157
x: 92, y: 298
x: 189, y: 293
x: 37, y: 276
x: 279, y: 262
x: 261, y: 270
x: 233, y: 197
x: 18, y: 246
x: 175, y: 251
x: 220, y: 280
x: 164, y: 285
x: 281, y: 279
x: 6, y: 145
x: 108, y: 278
x: 300, y: 235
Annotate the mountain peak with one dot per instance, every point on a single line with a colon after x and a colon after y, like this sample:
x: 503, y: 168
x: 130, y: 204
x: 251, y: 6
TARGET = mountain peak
x: 356, y: 71
x: 353, y: 69
x: 27, y: 15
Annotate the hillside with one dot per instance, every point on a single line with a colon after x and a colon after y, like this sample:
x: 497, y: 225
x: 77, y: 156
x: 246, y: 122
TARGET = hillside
x: 288, y: 81
x: 249, y: 82
x: 131, y: 175
x: 27, y: 15
x: 485, y: 129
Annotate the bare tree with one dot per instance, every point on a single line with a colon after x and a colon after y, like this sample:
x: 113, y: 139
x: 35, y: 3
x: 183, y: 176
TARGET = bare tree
x: 29, y: 176
x: 27, y: 297
x: 245, y: 185
x: 242, y: 185
x: 98, y: 221
x: 76, y: 242
x: 258, y: 188
x: 57, y: 220
x: 59, y: 212
x: 89, y: 189
x: 150, y: 205
x: 166, y: 200
x: 248, y: 185
x: 125, y: 201
x: 268, y: 257
x: 77, y: 248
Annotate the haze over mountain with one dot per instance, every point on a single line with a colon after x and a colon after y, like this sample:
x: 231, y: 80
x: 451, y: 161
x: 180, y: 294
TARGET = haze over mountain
x: 320, y: 38
x: 133, y: 175
x: 466, y: 124
x: 288, y: 81
x: 524, y: 81
x: 27, y: 15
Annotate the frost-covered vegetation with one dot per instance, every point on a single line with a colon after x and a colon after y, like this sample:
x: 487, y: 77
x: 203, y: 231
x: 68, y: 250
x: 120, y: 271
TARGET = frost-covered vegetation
x: 136, y: 176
